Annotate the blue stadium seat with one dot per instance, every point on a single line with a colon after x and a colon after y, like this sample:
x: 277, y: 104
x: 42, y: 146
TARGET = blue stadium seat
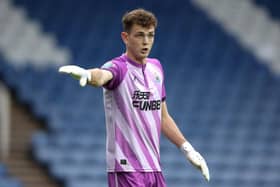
x: 3, y: 170
x: 6, y: 180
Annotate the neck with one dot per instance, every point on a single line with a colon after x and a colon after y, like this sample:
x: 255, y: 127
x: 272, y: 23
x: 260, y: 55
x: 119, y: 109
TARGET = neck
x: 139, y: 61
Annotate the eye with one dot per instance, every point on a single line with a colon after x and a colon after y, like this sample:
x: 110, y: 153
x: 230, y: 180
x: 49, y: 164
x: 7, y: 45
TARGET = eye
x: 138, y: 35
x: 151, y: 35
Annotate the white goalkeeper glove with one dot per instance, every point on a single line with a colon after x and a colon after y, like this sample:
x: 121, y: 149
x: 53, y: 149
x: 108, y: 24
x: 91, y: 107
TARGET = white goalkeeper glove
x: 196, y: 159
x: 77, y: 72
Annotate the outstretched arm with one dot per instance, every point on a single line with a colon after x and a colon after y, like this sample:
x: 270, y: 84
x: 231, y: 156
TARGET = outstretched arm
x: 96, y: 77
x: 172, y: 132
x: 99, y: 77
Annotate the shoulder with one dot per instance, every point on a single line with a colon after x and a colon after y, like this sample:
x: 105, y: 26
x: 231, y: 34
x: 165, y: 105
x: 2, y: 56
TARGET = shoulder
x: 117, y: 66
x: 121, y: 61
x: 117, y: 62
x: 155, y: 62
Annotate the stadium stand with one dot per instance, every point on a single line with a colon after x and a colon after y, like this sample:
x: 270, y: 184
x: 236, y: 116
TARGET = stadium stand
x: 222, y: 97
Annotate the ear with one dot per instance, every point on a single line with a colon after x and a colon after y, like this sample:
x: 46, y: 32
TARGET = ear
x: 124, y: 36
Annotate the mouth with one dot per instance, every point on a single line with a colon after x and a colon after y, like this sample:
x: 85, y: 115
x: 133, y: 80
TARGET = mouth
x: 144, y: 50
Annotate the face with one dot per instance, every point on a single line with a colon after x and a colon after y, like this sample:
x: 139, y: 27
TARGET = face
x: 139, y: 42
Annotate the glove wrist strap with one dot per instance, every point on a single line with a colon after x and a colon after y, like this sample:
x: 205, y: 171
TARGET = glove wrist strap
x: 186, y: 147
x: 88, y: 75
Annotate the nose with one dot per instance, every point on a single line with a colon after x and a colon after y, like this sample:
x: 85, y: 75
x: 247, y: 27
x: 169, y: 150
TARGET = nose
x: 145, y: 40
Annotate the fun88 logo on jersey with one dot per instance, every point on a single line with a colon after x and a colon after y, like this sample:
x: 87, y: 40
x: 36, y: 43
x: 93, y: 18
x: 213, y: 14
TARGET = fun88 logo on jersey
x: 141, y: 100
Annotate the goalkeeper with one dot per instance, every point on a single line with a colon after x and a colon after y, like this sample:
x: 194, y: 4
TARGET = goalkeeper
x: 135, y: 108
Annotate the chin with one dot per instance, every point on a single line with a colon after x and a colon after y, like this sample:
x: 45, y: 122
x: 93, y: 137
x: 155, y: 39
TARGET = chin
x: 141, y: 57
x: 144, y: 55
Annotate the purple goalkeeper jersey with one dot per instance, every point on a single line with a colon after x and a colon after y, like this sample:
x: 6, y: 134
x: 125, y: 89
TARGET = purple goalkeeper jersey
x: 132, y: 102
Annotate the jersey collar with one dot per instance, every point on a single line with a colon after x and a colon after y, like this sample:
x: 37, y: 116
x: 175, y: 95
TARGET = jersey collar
x: 133, y: 62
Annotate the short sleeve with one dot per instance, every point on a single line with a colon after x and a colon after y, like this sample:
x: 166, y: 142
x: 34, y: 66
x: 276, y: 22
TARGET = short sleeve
x: 163, y: 93
x: 118, y: 69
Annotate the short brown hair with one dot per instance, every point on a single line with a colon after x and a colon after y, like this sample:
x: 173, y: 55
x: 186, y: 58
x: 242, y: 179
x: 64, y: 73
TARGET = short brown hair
x: 140, y: 17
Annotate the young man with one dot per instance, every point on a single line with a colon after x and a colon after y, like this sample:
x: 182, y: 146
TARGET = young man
x: 135, y: 108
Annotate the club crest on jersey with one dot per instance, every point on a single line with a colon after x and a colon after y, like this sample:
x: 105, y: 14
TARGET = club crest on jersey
x: 157, y: 78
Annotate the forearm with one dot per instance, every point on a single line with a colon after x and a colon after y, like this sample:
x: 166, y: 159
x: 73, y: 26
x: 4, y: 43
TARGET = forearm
x: 99, y: 77
x: 172, y: 132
